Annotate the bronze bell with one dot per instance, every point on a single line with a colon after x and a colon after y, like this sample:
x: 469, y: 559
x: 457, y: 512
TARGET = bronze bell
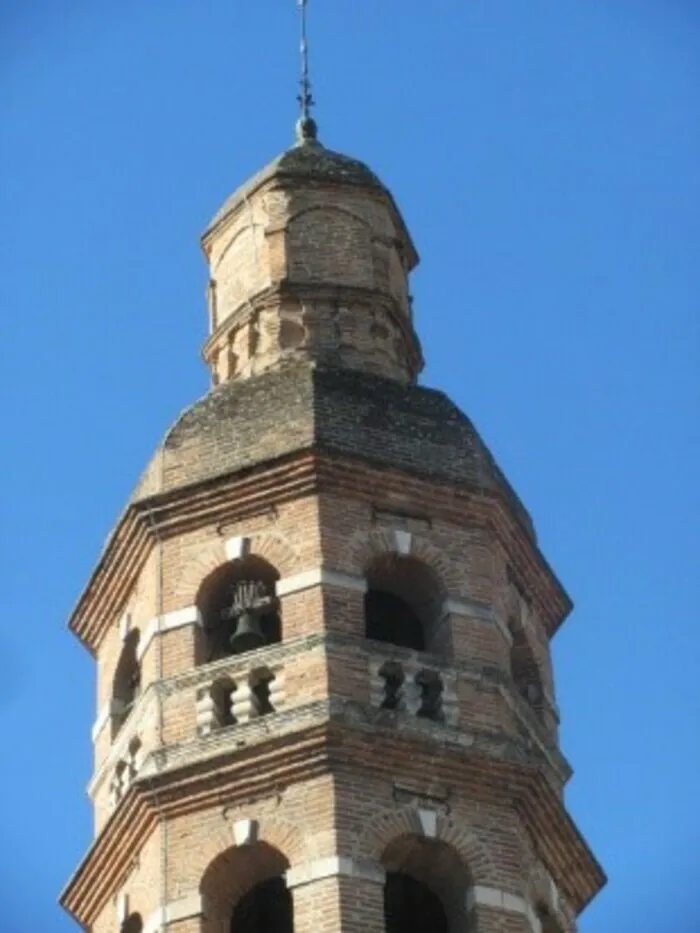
x: 247, y: 636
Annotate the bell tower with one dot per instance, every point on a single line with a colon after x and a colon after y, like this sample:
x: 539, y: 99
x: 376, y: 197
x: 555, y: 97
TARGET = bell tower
x: 322, y: 623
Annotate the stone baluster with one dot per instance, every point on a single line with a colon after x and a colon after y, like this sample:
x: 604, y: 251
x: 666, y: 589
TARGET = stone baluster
x: 207, y: 712
x: 377, y: 684
x: 450, y: 700
x: 243, y: 703
x: 411, y: 693
x: 277, y: 696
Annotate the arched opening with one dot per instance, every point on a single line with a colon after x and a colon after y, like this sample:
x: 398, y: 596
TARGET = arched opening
x: 426, y: 887
x: 126, y: 685
x: 403, y: 605
x: 132, y: 924
x: 548, y: 921
x: 412, y: 907
x: 266, y: 908
x: 524, y: 670
x: 245, y: 890
x: 239, y: 609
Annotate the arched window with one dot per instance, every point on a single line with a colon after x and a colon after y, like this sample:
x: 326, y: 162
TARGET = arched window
x: 524, y: 670
x: 126, y: 685
x: 412, y: 907
x: 245, y: 890
x: 132, y: 924
x: 548, y: 921
x: 266, y: 908
x: 239, y: 609
x: 426, y: 886
x: 403, y: 605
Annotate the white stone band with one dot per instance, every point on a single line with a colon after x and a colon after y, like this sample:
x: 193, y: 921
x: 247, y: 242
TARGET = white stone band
x: 478, y: 611
x: 104, y: 716
x: 319, y: 576
x: 174, y: 912
x: 179, y: 618
x: 333, y: 867
x: 481, y: 896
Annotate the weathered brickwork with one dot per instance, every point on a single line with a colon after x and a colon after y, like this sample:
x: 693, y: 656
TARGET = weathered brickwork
x: 314, y: 272
x: 343, y: 754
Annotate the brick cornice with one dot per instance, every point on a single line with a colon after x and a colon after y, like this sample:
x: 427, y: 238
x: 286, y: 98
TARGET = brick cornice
x: 283, y: 290
x: 335, y: 746
x: 554, y: 835
x: 233, y: 777
x: 233, y: 496
x: 454, y: 503
x: 226, y: 498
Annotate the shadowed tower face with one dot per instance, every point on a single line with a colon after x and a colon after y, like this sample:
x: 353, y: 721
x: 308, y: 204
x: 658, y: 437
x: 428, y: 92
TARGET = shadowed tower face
x: 322, y: 623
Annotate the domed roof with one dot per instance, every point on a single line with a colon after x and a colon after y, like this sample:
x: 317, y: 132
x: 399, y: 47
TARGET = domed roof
x: 307, y: 160
x: 298, y: 406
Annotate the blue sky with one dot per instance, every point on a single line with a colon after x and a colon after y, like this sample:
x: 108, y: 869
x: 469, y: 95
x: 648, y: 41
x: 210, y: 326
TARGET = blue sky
x: 545, y: 154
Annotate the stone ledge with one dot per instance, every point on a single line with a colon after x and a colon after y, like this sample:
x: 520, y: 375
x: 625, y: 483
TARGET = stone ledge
x: 179, y: 618
x: 495, y: 898
x: 335, y: 866
x: 182, y: 909
x: 320, y: 576
x: 234, y: 738
x: 138, y: 718
x: 104, y: 716
x: 274, y: 656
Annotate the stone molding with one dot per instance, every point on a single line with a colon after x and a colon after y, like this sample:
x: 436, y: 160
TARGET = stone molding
x: 138, y: 719
x: 274, y: 657
x: 107, y: 861
x: 478, y: 611
x: 182, y: 909
x: 335, y: 866
x: 104, y: 716
x: 179, y: 618
x: 495, y: 898
x: 319, y: 576
x: 193, y: 905
x: 110, y: 586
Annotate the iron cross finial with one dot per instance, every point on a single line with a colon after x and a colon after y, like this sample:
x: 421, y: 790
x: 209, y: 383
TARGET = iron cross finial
x: 306, y: 125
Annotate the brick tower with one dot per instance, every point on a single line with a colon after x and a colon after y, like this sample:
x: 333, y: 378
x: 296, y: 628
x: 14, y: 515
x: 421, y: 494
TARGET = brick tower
x: 322, y: 623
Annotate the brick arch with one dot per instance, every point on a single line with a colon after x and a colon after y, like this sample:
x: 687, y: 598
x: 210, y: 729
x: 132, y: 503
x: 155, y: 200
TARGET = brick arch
x: 275, y: 548
x: 140, y: 896
x: 272, y: 546
x: 208, y: 558
x: 381, y: 830
x: 274, y: 831
x: 256, y: 229
x: 539, y: 887
x: 277, y: 846
x: 526, y: 664
x: 364, y: 547
x: 339, y: 234
x: 327, y: 209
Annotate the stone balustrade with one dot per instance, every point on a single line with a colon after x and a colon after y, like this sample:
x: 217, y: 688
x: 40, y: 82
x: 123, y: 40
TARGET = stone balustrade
x: 125, y: 770
x: 414, y: 688
x: 230, y: 700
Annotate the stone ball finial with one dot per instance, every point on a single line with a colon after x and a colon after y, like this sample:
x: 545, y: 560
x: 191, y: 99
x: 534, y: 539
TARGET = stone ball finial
x: 306, y: 130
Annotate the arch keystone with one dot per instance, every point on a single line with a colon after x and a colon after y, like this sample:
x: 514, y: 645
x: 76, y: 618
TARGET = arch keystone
x: 428, y: 822
x: 246, y: 832
x: 122, y: 909
x: 237, y: 548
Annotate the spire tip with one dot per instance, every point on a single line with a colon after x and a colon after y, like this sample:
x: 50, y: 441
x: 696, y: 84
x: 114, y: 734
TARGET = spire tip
x: 306, y: 128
